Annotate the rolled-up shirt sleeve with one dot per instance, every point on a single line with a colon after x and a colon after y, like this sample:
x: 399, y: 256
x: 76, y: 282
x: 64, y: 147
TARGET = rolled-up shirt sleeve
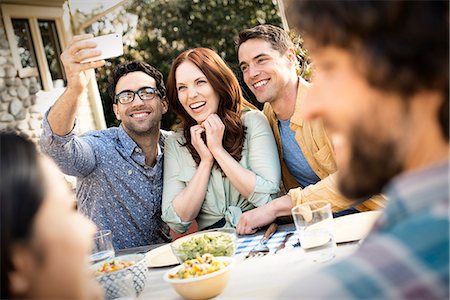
x: 263, y: 158
x: 173, y: 185
x: 73, y: 154
x: 327, y: 188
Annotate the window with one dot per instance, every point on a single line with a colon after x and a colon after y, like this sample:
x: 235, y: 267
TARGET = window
x: 36, y: 36
x: 52, y: 48
x: 24, y: 43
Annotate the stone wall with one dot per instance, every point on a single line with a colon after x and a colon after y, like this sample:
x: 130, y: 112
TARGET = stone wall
x: 18, y: 109
x: 23, y: 102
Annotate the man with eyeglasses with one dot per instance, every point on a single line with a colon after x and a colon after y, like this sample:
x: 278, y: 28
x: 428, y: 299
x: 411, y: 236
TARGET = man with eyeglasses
x: 118, y: 170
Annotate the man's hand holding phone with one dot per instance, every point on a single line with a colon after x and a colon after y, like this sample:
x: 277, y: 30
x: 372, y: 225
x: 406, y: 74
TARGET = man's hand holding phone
x: 86, y: 52
x: 83, y: 53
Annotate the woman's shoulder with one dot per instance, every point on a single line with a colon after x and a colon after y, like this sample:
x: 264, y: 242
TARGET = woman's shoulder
x: 251, y: 113
x: 175, y: 137
x: 253, y: 116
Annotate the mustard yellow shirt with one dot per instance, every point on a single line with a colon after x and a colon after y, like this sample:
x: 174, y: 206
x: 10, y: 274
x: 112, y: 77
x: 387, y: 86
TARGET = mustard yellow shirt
x: 318, y: 152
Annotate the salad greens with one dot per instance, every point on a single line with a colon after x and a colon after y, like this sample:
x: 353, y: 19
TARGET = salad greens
x: 221, y: 244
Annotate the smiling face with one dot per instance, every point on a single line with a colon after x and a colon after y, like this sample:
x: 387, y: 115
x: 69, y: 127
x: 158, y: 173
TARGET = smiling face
x: 266, y: 71
x: 195, y: 92
x: 139, y: 117
x: 55, y: 262
x: 370, y: 128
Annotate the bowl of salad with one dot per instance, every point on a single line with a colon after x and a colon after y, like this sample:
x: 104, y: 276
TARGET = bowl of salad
x: 218, y: 242
x: 116, y: 274
x: 203, y: 277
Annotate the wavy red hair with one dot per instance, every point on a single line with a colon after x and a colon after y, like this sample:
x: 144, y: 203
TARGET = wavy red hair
x: 231, y: 101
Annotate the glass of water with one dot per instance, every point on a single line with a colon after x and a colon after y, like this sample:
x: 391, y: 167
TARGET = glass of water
x: 103, y: 248
x: 313, y: 222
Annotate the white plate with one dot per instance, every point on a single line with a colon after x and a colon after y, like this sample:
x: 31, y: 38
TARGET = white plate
x: 161, y: 257
x: 354, y: 227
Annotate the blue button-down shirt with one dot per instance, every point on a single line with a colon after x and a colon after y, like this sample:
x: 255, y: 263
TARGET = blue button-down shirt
x: 407, y: 255
x: 115, y: 188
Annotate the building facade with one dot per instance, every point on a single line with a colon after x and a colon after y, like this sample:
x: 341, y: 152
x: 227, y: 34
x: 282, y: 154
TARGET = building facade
x: 32, y: 37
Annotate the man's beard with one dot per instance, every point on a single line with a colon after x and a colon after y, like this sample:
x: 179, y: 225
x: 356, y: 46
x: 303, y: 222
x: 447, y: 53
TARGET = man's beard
x: 138, y: 131
x: 151, y: 125
x: 373, y: 163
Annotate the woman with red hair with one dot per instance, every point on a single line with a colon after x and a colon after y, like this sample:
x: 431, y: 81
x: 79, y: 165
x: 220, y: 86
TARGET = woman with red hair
x: 223, y: 159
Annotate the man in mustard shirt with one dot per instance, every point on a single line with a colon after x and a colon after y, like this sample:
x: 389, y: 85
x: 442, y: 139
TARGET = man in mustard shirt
x: 268, y: 62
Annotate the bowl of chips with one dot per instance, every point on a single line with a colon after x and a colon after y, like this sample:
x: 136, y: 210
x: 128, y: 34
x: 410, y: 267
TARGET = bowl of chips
x: 113, y: 274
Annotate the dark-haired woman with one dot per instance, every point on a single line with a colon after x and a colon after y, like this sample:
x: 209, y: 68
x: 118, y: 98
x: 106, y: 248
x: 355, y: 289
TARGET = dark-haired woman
x: 223, y: 160
x: 45, y: 242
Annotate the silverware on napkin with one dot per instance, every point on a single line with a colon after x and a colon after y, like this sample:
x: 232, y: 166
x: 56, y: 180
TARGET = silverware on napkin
x: 261, y: 248
x: 283, y: 243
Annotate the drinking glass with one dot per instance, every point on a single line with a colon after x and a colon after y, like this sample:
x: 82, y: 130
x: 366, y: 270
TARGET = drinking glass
x: 313, y: 222
x: 103, y: 248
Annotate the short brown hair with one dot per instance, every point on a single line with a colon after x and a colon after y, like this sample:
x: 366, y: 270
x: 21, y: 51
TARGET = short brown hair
x: 136, y: 66
x: 404, y: 45
x: 276, y: 36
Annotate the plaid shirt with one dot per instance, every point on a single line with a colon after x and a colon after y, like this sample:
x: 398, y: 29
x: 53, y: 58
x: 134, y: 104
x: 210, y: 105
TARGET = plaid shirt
x: 406, y: 256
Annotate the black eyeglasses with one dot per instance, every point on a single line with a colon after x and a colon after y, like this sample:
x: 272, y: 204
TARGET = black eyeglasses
x: 145, y: 93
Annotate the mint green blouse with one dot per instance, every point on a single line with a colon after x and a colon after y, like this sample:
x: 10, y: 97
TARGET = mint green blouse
x: 222, y: 200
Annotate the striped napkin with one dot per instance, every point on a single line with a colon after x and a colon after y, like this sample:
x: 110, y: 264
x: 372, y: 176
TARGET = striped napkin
x: 245, y: 244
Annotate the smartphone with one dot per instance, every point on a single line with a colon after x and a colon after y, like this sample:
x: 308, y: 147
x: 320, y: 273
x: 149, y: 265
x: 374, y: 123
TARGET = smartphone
x: 110, y: 45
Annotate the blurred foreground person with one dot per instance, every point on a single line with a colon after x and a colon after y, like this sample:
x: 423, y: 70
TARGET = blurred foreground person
x: 45, y: 242
x: 381, y: 88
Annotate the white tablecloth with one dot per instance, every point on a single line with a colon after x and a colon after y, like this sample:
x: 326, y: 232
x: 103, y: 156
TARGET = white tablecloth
x: 258, y: 278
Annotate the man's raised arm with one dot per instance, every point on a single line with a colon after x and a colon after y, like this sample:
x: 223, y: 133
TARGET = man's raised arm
x: 62, y: 115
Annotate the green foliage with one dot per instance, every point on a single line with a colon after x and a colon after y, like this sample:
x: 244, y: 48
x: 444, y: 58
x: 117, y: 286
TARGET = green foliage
x: 304, y: 68
x: 165, y: 28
